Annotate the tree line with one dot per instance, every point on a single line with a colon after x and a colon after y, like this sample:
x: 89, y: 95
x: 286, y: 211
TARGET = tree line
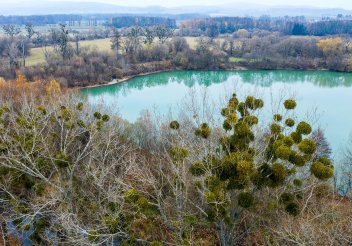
x: 118, y: 21
x: 266, y: 50
x: 288, y: 26
x: 147, y: 49
x: 39, y: 20
x: 142, y: 21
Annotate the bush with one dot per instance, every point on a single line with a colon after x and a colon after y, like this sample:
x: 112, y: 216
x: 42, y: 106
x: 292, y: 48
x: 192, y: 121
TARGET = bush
x: 307, y: 146
x: 321, y: 171
x: 245, y: 199
x: 290, y: 122
x: 304, y: 128
x: 293, y: 208
x: 290, y: 104
x: 175, y: 125
x: 275, y: 128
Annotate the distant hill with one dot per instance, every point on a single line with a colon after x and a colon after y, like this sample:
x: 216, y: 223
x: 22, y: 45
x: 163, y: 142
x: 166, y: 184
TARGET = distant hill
x: 32, y: 7
x: 38, y: 8
x: 243, y: 9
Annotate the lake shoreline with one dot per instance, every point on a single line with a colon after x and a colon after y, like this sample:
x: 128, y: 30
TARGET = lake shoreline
x: 238, y: 68
x: 125, y: 79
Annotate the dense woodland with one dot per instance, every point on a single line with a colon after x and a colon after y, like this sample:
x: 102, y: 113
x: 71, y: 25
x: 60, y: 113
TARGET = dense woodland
x: 71, y: 174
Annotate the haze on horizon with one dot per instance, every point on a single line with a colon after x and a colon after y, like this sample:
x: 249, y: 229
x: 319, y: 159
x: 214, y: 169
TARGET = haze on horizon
x: 343, y: 4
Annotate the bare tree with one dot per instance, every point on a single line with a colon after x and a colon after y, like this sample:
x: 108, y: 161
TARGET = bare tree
x: 163, y: 33
x: 61, y: 40
x: 149, y: 35
x: 30, y: 30
x: 131, y: 42
x: 323, y: 146
x: 11, y: 30
x: 344, y: 173
x: 12, y: 47
x: 76, y: 37
x: 116, y: 40
x: 47, y: 179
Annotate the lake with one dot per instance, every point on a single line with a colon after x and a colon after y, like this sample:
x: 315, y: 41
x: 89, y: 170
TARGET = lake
x: 323, y: 97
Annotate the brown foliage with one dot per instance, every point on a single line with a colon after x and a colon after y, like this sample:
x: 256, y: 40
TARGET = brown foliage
x: 13, y: 90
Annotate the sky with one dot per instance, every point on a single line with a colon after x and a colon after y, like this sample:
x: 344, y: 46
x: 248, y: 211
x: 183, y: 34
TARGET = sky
x: 346, y: 4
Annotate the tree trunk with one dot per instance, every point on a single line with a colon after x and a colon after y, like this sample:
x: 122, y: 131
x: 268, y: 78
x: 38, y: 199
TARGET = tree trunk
x: 4, y: 234
x: 223, y: 234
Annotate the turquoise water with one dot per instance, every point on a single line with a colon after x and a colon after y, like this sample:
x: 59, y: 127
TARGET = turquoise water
x: 324, y: 98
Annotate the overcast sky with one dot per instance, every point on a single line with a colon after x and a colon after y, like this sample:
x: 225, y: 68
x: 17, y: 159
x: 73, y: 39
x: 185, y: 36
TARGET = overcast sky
x: 346, y: 4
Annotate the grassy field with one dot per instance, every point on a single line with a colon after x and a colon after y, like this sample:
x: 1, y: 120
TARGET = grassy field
x: 192, y: 42
x: 100, y: 44
x: 37, y: 54
x: 236, y: 59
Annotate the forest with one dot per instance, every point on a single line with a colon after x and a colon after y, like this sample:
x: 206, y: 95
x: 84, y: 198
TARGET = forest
x: 74, y: 175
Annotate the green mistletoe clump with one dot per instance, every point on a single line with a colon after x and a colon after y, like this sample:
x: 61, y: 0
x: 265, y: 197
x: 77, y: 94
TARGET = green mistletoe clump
x: 239, y: 172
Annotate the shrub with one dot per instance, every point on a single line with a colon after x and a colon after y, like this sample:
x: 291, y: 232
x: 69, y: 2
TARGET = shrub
x: 297, y: 182
x: 286, y: 198
x: 290, y: 104
x: 175, y: 125
x: 297, y: 159
x: 290, y: 122
x: 304, y: 128
x: 105, y: 118
x: 277, y: 117
x: 203, y: 131
x: 245, y: 199
x: 321, y: 171
x: 226, y: 125
x: 293, y: 208
x: 297, y: 138
x: 178, y: 154
x: 197, y: 169
x: 97, y: 115
x: 283, y: 152
x: 275, y: 128
x: 307, y: 146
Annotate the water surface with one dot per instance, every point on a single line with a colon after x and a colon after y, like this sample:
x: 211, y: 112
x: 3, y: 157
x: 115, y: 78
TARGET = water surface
x: 325, y: 95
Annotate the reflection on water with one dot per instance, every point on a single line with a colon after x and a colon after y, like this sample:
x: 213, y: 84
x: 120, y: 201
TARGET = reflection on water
x: 330, y: 92
x: 207, y: 78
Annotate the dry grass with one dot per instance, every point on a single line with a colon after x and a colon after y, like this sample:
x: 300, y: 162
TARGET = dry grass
x: 101, y: 44
x: 327, y: 221
x: 192, y: 42
x: 37, y: 54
